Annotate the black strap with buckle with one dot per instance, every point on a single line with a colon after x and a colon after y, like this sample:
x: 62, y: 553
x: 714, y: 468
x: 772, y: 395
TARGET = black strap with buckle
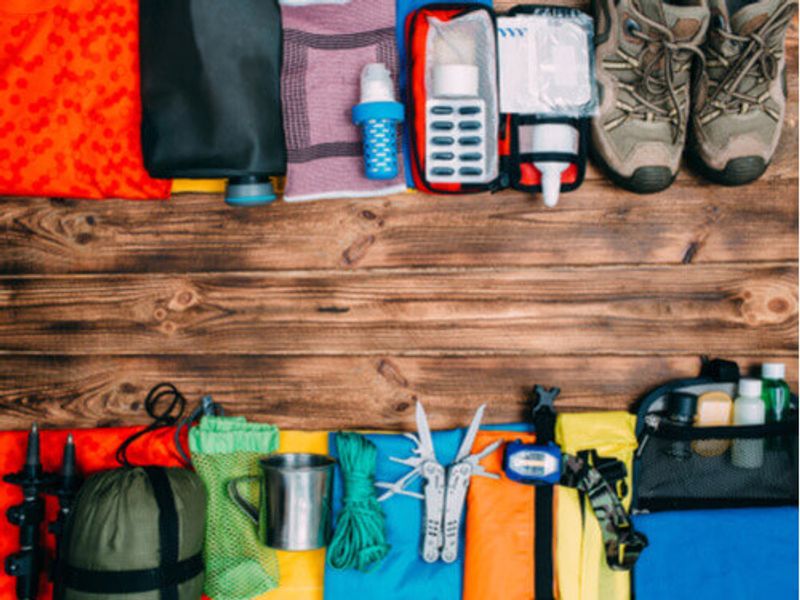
x: 544, y: 422
x: 603, y: 482
x: 623, y: 544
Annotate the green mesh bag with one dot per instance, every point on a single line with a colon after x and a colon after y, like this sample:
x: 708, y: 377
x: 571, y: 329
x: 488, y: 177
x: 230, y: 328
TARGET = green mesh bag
x: 238, y: 566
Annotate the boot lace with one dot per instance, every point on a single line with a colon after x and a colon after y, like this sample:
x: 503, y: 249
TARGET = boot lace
x: 756, y: 62
x: 655, y: 94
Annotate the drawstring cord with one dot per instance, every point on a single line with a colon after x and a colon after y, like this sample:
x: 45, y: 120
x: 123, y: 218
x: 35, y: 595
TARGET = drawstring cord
x: 174, y: 405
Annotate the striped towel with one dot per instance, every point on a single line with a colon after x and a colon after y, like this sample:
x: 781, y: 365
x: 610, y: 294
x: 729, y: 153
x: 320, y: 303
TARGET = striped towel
x: 325, y: 47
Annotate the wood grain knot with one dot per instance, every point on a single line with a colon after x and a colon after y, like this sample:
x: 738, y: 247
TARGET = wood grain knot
x: 402, y: 407
x: 358, y: 250
x: 391, y: 373
x: 690, y: 252
x: 371, y: 216
x: 182, y: 300
x: 336, y: 310
x: 778, y: 305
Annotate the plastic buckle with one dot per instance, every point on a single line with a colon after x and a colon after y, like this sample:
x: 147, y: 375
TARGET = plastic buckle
x: 544, y: 399
x: 622, y: 554
x: 614, y: 472
x: 719, y: 369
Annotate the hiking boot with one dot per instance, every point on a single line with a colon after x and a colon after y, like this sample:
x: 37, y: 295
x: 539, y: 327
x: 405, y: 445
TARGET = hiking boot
x: 740, y: 96
x: 644, y: 52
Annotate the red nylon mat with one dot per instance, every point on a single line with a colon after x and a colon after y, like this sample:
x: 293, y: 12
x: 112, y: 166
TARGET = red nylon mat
x: 95, y: 449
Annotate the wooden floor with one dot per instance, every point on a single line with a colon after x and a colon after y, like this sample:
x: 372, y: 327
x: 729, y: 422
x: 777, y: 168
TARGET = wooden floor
x: 343, y: 313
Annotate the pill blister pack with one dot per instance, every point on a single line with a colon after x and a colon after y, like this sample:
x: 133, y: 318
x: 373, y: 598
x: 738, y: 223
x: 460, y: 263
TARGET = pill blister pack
x: 455, y: 140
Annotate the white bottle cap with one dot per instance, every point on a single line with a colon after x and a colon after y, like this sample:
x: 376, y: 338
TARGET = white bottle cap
x: 551, y: 181
x: 455, y: 81
x: 750, y: 387
x: 552, y: 138
x: 773, y: 370
x: 376, y: 83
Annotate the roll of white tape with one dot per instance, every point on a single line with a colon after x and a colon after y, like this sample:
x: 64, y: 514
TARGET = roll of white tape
x: 452, y: 81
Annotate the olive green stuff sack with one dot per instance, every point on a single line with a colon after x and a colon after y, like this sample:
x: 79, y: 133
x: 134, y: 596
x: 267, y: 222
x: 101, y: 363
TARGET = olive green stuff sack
x: 136, y: 534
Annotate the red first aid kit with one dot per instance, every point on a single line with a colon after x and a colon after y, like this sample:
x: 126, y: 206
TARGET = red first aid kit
x: 461, y: 139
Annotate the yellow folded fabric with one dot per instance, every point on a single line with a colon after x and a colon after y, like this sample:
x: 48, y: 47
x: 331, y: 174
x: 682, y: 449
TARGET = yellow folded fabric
x: 301, y: 573
x: 202, y: 186
x: 214, y: 186
x: 582, y: 572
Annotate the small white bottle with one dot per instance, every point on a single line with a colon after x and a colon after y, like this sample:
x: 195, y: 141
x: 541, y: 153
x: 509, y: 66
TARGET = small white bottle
x: 548, y: 138
x: 748, y: 409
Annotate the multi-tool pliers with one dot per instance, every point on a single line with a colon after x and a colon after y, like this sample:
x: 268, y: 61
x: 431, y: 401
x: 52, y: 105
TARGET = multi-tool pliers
x: 445, y: 488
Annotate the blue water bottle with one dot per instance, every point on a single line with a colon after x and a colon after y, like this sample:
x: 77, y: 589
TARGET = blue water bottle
x: 378, y: 114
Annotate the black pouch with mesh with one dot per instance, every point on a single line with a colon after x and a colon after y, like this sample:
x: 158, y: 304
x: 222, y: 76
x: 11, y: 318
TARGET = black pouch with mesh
x: 680, y: 467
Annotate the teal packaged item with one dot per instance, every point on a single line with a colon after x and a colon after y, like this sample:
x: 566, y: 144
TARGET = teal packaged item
x: 238, y: 566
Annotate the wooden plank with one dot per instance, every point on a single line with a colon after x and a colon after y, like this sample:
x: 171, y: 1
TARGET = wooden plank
x: 599, y: 224
x: 721, y: 309
x: 326, y: 392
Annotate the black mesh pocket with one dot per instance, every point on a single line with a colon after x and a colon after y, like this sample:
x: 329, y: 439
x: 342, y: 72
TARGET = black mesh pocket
x: 714, y: 467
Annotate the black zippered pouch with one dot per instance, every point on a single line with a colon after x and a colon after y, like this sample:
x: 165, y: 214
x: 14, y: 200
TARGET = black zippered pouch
x: 678, y: 467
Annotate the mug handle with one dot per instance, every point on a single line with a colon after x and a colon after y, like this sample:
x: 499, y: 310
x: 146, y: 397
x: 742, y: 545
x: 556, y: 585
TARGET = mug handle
x: 236, y: 497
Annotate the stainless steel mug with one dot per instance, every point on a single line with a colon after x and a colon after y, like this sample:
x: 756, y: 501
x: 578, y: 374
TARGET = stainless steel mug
x: 294, y: 508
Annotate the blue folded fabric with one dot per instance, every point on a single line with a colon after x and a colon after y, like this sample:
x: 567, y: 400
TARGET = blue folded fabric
x: 402, y: 575
x: 725, y: 554
x: 402, y: 10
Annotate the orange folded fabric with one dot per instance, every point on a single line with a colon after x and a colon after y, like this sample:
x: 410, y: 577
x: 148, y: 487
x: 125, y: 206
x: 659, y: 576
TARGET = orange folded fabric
x: 70, y: 108
x: 498, y: 561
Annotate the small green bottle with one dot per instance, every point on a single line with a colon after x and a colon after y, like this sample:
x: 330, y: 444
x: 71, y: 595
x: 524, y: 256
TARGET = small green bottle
x: 776, y: 397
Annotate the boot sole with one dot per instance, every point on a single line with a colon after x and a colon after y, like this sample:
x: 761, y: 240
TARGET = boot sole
x: 645, y: 180
x: 738, y: 171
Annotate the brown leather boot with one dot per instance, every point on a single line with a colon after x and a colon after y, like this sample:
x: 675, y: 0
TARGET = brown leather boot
x: 644, y: 52
x: 740, y: 99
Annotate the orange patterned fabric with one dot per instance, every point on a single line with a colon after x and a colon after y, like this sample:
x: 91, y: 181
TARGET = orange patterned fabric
x: 70, y: 108
x: 96, y: 449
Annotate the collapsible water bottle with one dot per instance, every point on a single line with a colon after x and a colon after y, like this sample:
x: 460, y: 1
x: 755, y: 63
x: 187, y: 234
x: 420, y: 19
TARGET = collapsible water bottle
x: 378, y: 115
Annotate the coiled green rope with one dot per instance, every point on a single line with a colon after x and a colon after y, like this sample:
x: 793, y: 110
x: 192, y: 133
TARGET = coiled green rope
x: 360, y: 538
